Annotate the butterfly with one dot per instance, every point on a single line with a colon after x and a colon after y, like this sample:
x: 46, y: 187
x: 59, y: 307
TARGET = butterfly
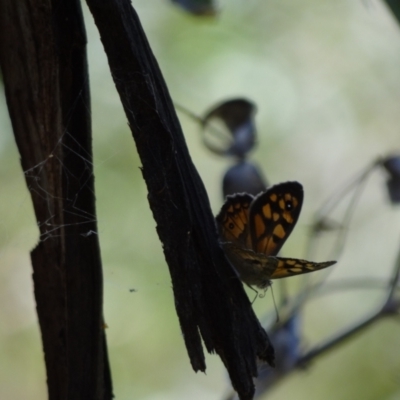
x: 253, y: 229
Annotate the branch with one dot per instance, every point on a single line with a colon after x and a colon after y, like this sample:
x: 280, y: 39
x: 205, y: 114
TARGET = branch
x: 43, y: 61
x: 209, y: 298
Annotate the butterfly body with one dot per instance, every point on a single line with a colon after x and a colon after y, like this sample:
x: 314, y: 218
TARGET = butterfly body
x: 254, y: 269
x: 253, y: 230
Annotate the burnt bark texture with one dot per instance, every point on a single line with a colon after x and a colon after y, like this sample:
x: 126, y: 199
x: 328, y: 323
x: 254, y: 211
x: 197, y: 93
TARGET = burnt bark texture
x: 44, y: 67
x: 43, y: 61
x: 210, y: 301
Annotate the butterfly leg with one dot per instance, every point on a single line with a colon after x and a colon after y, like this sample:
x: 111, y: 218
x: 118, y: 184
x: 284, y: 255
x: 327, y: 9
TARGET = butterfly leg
x: 257, y: 294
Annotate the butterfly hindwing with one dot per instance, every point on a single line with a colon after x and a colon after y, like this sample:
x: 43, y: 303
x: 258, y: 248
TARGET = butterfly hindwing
x: 292, y: 266
x: 273, y: 215
x: 257, y: 269
x: 232, y: 220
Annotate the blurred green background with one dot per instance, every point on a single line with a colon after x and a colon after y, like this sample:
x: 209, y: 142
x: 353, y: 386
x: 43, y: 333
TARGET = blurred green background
x: 326, y: 80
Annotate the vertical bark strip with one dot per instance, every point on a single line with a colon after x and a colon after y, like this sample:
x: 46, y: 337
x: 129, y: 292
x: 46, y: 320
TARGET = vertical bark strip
x: 43, y: 61
x: 209, y: 298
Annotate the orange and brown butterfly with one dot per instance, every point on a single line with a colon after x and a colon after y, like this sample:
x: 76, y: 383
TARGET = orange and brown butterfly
x: 253, y: 229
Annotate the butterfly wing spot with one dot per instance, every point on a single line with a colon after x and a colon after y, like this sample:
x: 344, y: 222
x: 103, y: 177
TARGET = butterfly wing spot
x: 267, y: 211
x: 233, y: 223
x: 287, y: 203
x: 287, y: 196
x: 259, y: 225
x: 275, y: 216
x: 291, y: 201
x: 279, y: 232
x: 273, y: 197
x: 297, y: 270
x: 287, y: 216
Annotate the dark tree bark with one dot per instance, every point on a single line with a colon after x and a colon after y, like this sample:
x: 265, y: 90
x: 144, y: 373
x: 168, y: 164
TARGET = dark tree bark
x: 209, y: 299
x: 43, y: 61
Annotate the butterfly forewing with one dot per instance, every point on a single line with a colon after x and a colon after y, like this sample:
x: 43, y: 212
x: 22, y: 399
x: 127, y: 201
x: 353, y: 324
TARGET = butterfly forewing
x: 232, y: 220
x: 273, y: 215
